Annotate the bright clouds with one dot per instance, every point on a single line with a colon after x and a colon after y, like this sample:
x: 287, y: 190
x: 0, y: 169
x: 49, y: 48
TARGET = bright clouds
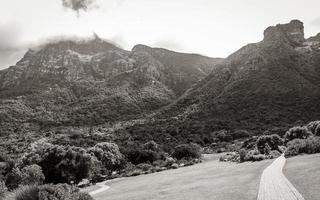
x: 210, y: 27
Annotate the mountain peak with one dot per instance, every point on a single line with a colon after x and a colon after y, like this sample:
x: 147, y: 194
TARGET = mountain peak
x: 292, y: 31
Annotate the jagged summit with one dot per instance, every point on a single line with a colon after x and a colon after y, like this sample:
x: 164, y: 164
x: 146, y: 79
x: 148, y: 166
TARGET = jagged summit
x: 266, y: 84
x: 292, y: 31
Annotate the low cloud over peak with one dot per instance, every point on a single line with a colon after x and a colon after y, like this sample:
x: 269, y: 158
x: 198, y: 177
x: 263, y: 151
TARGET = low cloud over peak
x: 79, y: 5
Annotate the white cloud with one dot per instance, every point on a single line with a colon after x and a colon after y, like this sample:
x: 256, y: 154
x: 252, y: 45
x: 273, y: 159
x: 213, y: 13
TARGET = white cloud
x: 210, y: 27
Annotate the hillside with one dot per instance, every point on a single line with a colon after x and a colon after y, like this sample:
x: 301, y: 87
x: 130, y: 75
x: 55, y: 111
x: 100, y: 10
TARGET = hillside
x: 271, y: 84
x: 90, y: 82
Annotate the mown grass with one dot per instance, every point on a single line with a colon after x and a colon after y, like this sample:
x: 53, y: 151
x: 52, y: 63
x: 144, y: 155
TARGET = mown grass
x: 209, y: 180
x: 304, y: 173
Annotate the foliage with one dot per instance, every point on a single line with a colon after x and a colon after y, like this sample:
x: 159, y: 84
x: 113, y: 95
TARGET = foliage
x: 314, y: 127
x: 148, y: 152
x: 309, y: 145
x: 254, y: 155
x: 109, y: 155
x: 242, y: 154
x: 139, y: 155
x: 266, y: 143
x: 233, y: 157
x: 32, y: 174
x: 13, y: 179
x: 60, y: 164
x: 298, y: 132
x: 144, y: 166
x: 186, y: 151
x: 274, y: 154
x: 3, y: 189
x: 48, y: 192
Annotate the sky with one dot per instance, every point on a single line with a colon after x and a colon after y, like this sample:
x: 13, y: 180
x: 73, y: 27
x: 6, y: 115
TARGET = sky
x: 213, y: 28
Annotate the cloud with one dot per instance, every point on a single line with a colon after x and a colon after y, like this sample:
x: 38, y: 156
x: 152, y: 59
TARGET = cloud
x: 170, y: 44
x: 316, y: 22
x: 11, y: 48
x: 80, y: 5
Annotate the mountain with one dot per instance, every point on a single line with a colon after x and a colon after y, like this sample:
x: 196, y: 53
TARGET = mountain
x: 272, y: 83
x: 89, y: 82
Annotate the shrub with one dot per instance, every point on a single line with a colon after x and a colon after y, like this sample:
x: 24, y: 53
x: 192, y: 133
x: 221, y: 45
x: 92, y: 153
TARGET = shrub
x: 3, y: 189
x: 238, y: 134
x: 297, y: 132
x: 109, y: 155
x: 138, y: 155
x: 48, y: 192
x: 314, y: 127
x: 186, y: 151
x: 274, y: 154
x: 297, y: 146
x: 230, y: 157
x: 152, y: 146
x: 254, y: 155
x: 222, y: 135
x: 13, y: 179
x: 242, y: 154
x: 147, y: 153
x: 144, y: 166
x: 25, y: 193
x: 32, y: 174
x: 273, y: 141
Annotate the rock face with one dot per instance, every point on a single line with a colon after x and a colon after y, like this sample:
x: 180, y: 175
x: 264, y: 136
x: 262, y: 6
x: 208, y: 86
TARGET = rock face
x: 273, y: 83
x: 89, y: 82
x: 293, y: 32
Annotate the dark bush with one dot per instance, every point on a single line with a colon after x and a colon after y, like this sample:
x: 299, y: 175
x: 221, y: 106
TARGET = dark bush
x: 13, y: 179
x: 268, y: 142
x: 238, y: 134
x: 60, y: 164
x: 146, y: 153
x: 297, y: 146
x: 223, y: 135
x: 137, y: 156
x: 186, y: 151
x: 298, y: 132
x: 152, y: 146
x: 242, y: 154
x: 314, y: 127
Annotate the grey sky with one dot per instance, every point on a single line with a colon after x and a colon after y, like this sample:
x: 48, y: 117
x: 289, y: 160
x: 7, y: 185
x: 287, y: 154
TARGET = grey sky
x: 210, y: 27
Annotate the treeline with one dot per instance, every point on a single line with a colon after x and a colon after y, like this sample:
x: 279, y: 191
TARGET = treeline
x: 49, y: 167
x: 297, y: 140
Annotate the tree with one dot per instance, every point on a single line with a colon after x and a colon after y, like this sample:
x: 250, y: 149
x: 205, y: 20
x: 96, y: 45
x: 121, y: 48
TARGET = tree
x: 273, y: 141
x: 60, y: 164
x: 109, y: 155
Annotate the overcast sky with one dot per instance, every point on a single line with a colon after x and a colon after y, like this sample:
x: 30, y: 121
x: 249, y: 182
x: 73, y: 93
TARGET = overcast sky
x: 214, y: 28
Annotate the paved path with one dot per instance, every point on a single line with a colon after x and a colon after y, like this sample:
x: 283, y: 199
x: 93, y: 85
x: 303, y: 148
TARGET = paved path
x: 275, y: 186
x: 103, y: 187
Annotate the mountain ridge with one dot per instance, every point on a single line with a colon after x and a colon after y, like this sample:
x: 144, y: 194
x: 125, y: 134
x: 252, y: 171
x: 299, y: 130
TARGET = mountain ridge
x: 89, y: 82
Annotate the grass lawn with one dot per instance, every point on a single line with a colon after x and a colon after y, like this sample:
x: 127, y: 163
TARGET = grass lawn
x: 209, y: 180
x: 90, y: 188
x: 304, y: 173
